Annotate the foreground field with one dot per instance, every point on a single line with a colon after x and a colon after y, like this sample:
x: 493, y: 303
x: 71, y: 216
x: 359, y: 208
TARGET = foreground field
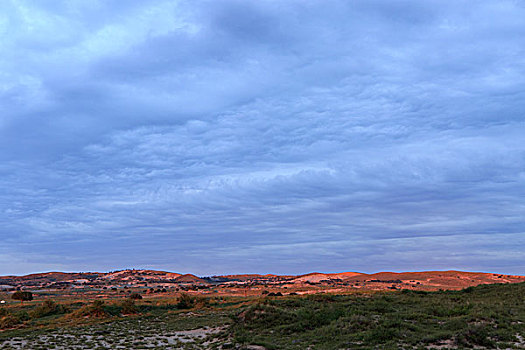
x: 197, y: 331
x: 489, y: 316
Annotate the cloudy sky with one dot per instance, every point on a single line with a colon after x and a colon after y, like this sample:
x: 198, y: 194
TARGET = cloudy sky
x: 262, y: 136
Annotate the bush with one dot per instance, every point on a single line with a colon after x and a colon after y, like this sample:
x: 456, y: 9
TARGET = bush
x: 95, y: 309
x: 23, y: 316
x: 22, y: 296
x: 314, y: 318
x: 135, y: 296
x: 476, y: 335
x: 9, y: 321
x: 128, y: 307
x: 262, y: 314
x: 382, y: 334
x: 187, y: 301
x: 47, y: 308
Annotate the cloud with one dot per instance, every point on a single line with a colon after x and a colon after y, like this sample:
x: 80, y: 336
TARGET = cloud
x: 261, y: 136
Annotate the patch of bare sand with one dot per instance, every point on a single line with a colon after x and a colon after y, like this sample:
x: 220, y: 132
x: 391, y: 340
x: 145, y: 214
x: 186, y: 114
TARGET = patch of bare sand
x: 201, y: 338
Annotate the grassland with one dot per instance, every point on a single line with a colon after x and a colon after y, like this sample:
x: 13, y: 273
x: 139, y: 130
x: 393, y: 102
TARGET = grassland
x: 488, y: 316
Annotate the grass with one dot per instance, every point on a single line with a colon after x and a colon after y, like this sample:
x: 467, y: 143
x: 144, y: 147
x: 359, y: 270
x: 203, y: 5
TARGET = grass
x: 488, y: 316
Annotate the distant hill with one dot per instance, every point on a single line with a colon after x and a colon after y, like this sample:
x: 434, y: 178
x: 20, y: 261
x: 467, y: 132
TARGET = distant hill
x: 315, y: 277
x: 429, y: 280
x: 189, y: 278
x: 438, y: 279
x: 52, y: 276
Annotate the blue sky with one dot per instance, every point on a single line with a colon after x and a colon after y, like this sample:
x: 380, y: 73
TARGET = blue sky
x: 262, y: 136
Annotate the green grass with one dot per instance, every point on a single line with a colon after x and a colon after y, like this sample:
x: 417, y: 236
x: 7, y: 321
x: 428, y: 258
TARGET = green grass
x: 485, y: 316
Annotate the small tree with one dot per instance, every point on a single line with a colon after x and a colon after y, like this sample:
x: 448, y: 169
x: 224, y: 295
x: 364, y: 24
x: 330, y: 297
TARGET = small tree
x: 22, y: 296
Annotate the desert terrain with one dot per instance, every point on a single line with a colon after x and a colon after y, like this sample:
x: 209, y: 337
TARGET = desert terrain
x: 151, y: 282
x: 146, y: 309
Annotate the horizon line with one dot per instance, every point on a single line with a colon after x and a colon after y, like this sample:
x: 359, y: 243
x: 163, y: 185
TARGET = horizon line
x: 258, y: 273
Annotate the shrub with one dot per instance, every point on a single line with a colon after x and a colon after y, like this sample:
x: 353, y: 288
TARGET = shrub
x: 95, y: 309
x: 382, y: 334
x: 313, y: 318
x: 262, y: 314
x: 135, y: 296
x: 22, y: 296
x: 128, y: 307
x: 23, y: 316
x: 9, y: 321
x: 47, y: 308
x: 476, y: 335
x: 187, y: 301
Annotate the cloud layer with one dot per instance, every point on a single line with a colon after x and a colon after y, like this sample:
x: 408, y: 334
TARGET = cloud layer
x: 262, y: 136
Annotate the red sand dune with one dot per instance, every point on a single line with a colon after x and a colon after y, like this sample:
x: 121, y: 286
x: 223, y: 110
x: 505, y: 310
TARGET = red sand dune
x: 318, y: 276
x: 189, y: 278
x: 430, y: 280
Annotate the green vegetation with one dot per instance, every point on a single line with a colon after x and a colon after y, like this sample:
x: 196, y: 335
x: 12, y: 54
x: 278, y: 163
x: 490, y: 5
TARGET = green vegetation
x: 95, y: 309
x: 48, y: 308
x: 489, y: 316
x: 187, y: 301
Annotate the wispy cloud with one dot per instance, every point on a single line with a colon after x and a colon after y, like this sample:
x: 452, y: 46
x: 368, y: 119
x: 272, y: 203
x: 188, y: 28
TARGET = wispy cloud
x: 262, y: 136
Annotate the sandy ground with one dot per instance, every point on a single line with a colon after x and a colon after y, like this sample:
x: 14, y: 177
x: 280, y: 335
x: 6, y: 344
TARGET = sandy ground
x: 201, y: 338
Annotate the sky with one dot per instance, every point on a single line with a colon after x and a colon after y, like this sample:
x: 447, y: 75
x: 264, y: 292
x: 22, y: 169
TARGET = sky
x: 264, y: 136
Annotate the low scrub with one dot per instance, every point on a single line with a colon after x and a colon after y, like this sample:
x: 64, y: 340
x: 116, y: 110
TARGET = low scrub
x: 128, y: 307
x: 488, y: 316
x: 187, y: 301
x: 47, y: 308
x: 95, y: 309
x: 9, y: 321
